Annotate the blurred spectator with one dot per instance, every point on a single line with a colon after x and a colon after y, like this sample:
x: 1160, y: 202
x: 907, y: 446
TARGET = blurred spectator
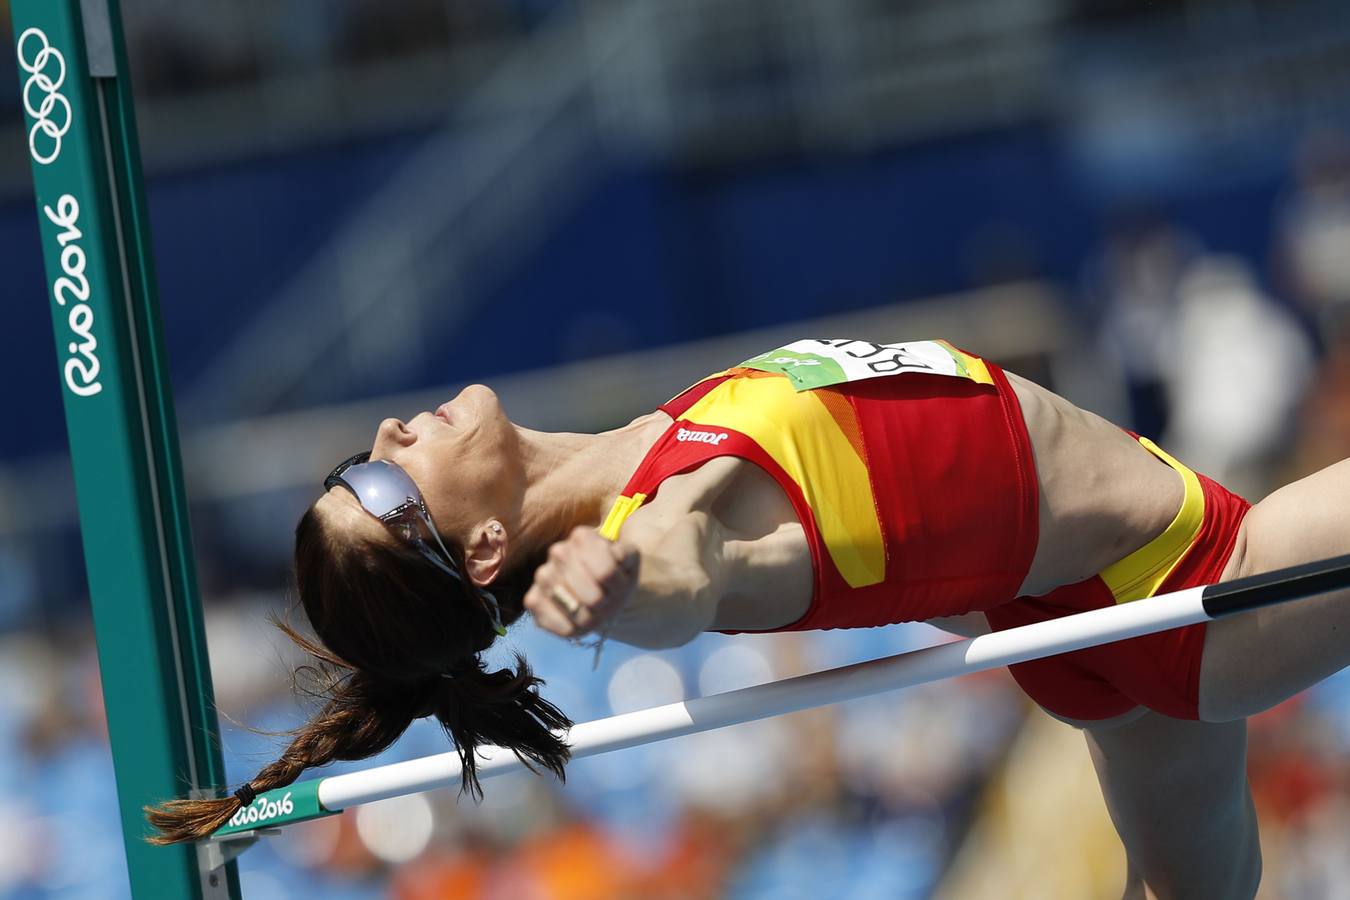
x: 1131, y: 288
x: 1324, y: 423
x: 19, y: 590
x: 1313, y: 231
x: 1236, y: 365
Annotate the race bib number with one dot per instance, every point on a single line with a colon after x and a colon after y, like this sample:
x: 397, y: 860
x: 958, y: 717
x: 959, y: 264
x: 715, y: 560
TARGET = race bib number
x: 822, y: 363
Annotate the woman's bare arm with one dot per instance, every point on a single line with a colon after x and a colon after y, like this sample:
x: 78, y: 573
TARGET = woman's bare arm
x: 720, y: 547
x: 658, y: 586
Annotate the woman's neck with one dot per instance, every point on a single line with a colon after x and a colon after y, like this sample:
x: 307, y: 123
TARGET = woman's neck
x: 573, y: 479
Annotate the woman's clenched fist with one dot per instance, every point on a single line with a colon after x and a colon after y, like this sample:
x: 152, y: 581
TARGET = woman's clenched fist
x: 583, y: 585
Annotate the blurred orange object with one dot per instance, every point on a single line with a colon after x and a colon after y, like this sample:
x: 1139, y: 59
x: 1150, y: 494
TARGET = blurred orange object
x: 697, y: 859
x: 444, y: 876
x: 576, y: 861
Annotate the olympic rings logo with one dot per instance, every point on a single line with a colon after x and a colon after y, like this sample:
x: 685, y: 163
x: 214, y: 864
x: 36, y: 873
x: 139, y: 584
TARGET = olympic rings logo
x: 47, y: 83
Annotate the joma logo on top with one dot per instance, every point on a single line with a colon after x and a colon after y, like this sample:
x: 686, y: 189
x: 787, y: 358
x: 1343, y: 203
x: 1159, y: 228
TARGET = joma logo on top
x: 700, y: 437
x: 51, y: 114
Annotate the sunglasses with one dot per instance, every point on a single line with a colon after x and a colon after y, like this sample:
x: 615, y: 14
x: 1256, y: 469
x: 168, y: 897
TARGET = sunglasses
x: 389, y: 494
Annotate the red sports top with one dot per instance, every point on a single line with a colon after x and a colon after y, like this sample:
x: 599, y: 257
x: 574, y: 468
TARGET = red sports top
x: 908, y: 465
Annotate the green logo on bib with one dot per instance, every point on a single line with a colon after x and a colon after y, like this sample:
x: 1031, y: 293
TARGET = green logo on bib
x: 803, y: 370
x: 823, y: 363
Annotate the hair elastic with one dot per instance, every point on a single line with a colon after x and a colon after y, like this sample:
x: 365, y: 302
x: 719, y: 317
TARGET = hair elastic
x: 246, y: 794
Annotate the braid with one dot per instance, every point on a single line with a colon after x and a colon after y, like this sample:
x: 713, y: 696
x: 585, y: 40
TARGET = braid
x: 364, y: 716
x: 359, y: 720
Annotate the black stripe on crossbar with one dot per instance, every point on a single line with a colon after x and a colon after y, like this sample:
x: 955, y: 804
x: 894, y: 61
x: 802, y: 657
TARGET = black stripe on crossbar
x: 1279, y: 586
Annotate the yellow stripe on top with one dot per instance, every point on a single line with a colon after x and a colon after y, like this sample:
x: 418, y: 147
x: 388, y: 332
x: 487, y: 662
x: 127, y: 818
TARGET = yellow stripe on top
x: 799, y: 433
x: 619, y: 513
x: 971, y: 366
x: 1140, y: 574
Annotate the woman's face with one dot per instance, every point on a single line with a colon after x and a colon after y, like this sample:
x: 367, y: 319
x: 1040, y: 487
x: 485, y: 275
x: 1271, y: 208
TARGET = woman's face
x: 464, y: 457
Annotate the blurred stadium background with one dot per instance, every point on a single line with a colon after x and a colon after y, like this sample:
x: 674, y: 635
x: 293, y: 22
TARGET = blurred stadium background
x: 360, y: 206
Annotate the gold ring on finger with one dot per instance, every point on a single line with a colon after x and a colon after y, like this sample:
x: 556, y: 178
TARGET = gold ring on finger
x: 569, y: 604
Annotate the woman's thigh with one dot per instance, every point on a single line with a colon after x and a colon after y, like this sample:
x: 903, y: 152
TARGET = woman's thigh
x: 1177, y: 793
x: 1255, y: 660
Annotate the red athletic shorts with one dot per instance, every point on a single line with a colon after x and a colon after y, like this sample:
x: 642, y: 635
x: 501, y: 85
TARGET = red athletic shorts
x: 1159, y: 671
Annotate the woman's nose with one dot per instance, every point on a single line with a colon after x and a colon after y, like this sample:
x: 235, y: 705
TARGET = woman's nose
x: 391, y: 435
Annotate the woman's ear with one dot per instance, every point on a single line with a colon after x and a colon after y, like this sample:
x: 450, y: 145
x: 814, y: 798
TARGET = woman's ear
x: 485, y: 553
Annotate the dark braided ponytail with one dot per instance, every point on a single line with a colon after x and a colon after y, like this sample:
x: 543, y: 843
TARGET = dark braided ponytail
x: 392, y: 626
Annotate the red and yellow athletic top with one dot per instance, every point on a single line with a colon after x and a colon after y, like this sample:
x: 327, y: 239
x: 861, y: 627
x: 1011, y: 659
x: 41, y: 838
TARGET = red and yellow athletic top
x: 908, y: 465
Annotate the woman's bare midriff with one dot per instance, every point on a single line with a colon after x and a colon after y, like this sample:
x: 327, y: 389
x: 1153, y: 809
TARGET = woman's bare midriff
x: 1102, y: 495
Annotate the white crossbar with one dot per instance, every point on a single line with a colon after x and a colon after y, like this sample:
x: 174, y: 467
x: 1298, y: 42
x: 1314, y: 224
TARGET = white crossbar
x: 763, y: 701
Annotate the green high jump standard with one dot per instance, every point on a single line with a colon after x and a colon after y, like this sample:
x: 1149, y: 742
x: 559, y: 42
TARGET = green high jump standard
x: 81, y: 138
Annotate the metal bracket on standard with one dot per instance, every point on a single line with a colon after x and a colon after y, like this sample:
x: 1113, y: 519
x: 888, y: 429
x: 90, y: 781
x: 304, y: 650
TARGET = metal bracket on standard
x: 214, y: 853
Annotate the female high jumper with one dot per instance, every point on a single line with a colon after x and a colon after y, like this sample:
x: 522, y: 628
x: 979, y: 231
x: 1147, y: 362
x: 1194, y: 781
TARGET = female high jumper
x: 825, y: 484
